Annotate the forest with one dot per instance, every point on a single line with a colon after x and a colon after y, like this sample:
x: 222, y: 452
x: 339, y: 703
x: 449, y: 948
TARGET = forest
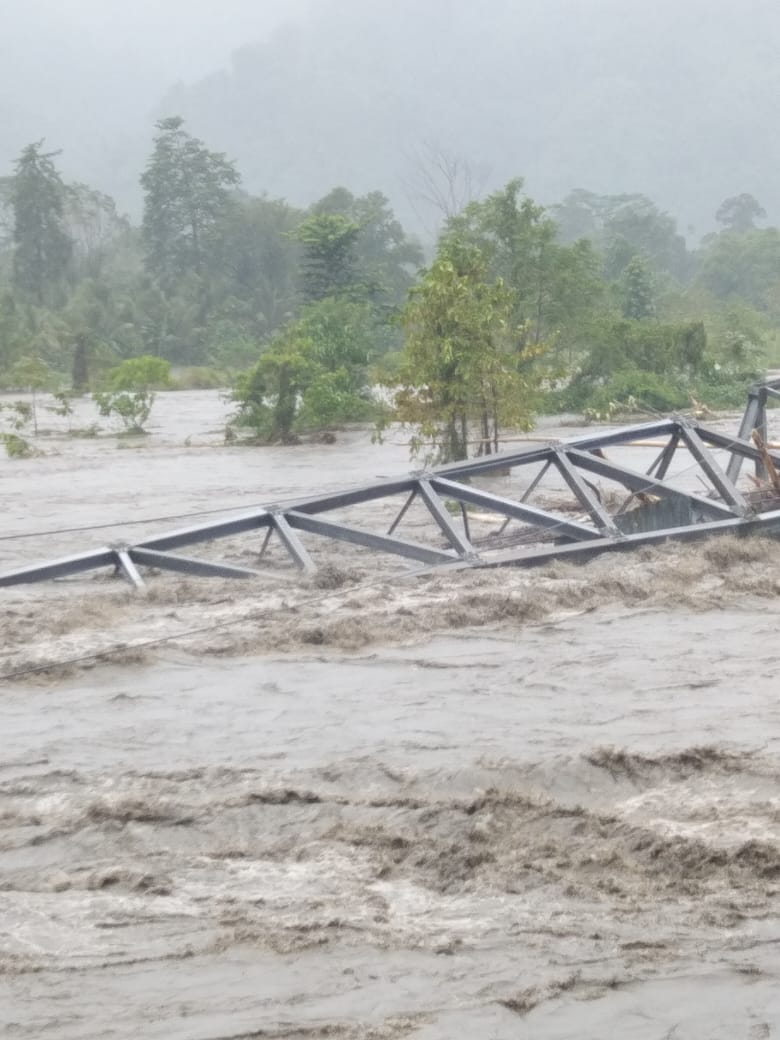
x: 595, y: 304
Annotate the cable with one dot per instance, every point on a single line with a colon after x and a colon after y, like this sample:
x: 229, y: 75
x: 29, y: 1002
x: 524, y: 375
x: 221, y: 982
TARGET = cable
x: 120, y: 523
x: 148, y: 520
x: 254, y: 615
x: 217, y: 626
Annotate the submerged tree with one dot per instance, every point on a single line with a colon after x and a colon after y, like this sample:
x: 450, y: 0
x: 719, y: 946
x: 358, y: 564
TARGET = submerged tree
x: 465, y: 364
x: 313, y: 376
x: 42, y: 246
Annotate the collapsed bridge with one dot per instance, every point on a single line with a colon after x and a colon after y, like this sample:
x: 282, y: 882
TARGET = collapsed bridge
x: 596, y: 504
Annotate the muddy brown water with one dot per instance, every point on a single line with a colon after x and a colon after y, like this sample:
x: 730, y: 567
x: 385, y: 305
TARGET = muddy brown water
x: 486, y: 805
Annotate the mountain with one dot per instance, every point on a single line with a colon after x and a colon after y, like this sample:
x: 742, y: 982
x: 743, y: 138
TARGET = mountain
x: 676, y: 100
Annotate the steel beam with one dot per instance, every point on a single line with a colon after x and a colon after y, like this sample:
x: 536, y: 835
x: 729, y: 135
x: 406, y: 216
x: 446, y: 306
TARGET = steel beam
x: 536, y: 482
x: 641, y: 482
x: 63, y: 568
x: 208, y: 532
x: 750, y: 421
x: 767, y: 523
x: 403, y: 512
x: 737, y: 446
x: 378, y: 542
x: 292, y: 543
x: 661, y: 465
x: 266, y: 539
x: 539, y: 453
x: 585, y: 495
x: 571, y: 458
x: 128, y: 568
x: 354, y: 496
x: 528, y: 492
x: 188, y: 565
x: 517, y: 510
x: 658, y: 468
x: 465, y: 517
x: 720, y: 481
x: 459, y: 543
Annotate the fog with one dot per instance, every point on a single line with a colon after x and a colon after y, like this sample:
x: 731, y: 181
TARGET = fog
x: 675, y: 100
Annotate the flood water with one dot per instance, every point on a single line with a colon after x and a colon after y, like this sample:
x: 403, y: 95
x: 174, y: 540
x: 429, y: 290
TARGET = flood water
x: 489, y: 804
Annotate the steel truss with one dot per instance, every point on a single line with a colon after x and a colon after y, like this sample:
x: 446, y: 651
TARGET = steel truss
x: 656, y: 508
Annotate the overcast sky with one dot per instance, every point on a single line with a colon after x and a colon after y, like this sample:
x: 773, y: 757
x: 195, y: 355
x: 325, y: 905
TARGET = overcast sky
x: 179, y: 39
x: 677, y: 98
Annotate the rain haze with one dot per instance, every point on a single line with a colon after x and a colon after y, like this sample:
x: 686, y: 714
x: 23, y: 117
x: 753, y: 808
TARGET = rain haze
x: 674, y: 100
x: 390, y: 481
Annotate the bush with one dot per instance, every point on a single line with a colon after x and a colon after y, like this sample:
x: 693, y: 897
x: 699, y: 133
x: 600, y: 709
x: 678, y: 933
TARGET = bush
x: 130, y: 394
x: 637, y: 391
x: 131, y: 407
x: 17, y: 447
x: 331, y: 399
x: 650, y: 366
x: 199, y: 378
x: 140, y: 373
x: 312, y: 377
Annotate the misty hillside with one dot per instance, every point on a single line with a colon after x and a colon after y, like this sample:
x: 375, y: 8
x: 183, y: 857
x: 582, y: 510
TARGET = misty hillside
x: 676, y: 100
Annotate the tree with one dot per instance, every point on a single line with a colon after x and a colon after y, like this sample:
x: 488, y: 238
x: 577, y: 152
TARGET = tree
x: 442, y: 184
x: 620, y: 226
x: 746, y: 267
x: 329, y: 264
x: 42, y: 246
x: 634, y: 224
x: 32, y: 374
x: 386, y: 259
x: 312, y: 376
x: 637, y: 291
x: 94, y: 226
x: 13, y: 333
x: 131, y: 391
x: 186, y: 195
x: 254, y: 270
x: 464, y: 362
x: 555, y: 287
x: 6, y: 216
x: 650, y: 363
x: 739, y: 213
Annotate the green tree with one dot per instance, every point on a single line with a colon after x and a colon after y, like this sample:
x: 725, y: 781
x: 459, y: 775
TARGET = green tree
x: 254, y: 271
x: 620, y: 227
x: 34, y: 375
x: 6, y: 220
x: 42, y: 246
x: 634, y: 224
x: 464, y: 363
x: 312, y: 376
x: 385, y: 257
x: 131, y: 391
x: 637, y: 290
x: 744, y: 267
x: 652, y: 364
x: 556, y: 288
x: 13, y: 333
x: 94, y: 226
x: 329, y: 263
x: 187, y: 190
